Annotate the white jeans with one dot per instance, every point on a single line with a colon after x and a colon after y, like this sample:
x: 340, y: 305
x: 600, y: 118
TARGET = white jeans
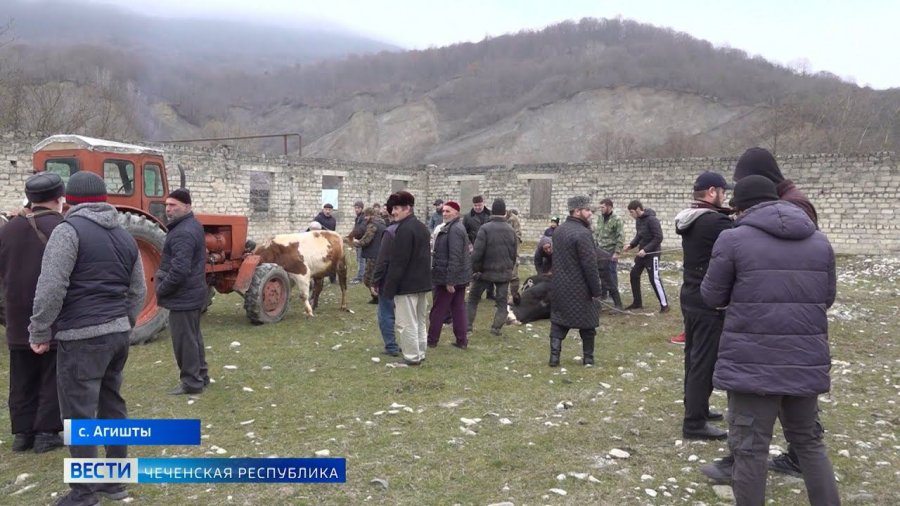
x: 411, y: 325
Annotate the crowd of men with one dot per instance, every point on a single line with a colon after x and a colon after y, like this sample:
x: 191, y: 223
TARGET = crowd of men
x: 753, y: 299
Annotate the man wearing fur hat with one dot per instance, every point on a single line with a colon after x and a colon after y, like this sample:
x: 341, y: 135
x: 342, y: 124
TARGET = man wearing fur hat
x: 493, y: 260
x: 407, y: 278
x: 91, y: 288
x: 33, y: 402
x: 181, y: 288
x: 575, y: 284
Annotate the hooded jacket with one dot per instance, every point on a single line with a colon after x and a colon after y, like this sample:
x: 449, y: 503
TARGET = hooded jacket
x: 699, y: 226
x: 82, y: 265
x: 776, y: 274
x: 648, y: 236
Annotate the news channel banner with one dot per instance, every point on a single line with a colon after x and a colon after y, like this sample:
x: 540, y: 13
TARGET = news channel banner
x: 149, y: 432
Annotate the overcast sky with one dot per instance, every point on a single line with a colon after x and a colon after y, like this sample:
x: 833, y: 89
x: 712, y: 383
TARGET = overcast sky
x: 856, y: 40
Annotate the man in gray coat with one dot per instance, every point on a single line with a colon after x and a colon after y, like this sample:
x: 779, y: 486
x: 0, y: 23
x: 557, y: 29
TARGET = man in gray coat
x: 493, y: 261
x: 575, y: 284
x: 451, y: 271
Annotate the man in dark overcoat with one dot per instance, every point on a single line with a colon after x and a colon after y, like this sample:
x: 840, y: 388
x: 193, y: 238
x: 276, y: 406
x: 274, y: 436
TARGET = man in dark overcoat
x: 575, y: 287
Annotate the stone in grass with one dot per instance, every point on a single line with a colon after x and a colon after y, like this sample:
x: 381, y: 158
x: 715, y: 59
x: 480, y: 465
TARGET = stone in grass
x: 619, y: 454
x: 504, y: 503
x: 560, y: 477
x: 724, y: 492
x: 376, y: 359
x: 559, y: 491
x: 650, y: 492
x: 323, y: 453
x: 21, y: 478
x: 381, y: 482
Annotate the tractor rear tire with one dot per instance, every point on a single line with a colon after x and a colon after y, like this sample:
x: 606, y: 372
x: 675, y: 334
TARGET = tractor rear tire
x: 150, y: 238
x: 268, y: 297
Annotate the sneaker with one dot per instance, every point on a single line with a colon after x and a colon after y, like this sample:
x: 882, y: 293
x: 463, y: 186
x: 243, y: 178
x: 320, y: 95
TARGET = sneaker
x: 111, y: 491
x: 784, y: 464
x: 355, y: 281
x: 664, y: 309
x: 22, y: 441
x: 391, y: 353
x: 183, y: 389
x: 679, y: 339
x: 47, y: 441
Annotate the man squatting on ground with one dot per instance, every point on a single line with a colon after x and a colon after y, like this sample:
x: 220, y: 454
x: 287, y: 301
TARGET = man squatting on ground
x: 92, y: 288
x: 33, y: 401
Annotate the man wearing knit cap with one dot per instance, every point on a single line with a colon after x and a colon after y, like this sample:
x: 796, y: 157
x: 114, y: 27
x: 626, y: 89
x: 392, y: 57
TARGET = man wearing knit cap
x: 775, y: 274
x: 91, y: 288
x: 407, y: 278
x: 575, y: 284
x: 33, y: 402
x: 181, y: 288
x: 760, y: 162
x: 699, y: 226
x: 493, y: 260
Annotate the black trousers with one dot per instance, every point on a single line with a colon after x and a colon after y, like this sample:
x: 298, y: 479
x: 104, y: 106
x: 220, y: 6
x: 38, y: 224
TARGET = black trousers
x: 701, y: 347
x: 88, y: 377
x: 500, y: 302
x: 651, y: 265
x: 33, y: 401
x: 190, y: 353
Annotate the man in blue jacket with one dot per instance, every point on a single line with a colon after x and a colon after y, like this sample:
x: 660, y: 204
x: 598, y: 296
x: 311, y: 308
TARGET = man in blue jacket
x: 181, y: 288
x: 775, y: 274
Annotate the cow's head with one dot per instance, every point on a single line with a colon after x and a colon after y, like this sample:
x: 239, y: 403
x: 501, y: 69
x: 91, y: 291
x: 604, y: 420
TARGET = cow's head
x: 534, y: 303
x: 287, y: 256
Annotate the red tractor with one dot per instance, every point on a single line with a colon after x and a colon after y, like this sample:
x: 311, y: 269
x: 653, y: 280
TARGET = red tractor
x: 137, y: 186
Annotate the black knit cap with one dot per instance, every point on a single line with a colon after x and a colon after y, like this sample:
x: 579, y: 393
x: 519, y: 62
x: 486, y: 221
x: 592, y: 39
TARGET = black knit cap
x: 758, y: 161
x: 182, y: 195
x: 753, y: 190
x: 85, y: 187
x: 44, y: 187
x: 498, y: 208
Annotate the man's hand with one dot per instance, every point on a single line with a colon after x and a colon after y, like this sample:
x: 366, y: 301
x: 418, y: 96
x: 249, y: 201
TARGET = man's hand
x: 641, y: 253
x: 451, y: 289
x: 375, y: 291
x: 614, y: 257
x: 41, y: 348
x: 626, y: 248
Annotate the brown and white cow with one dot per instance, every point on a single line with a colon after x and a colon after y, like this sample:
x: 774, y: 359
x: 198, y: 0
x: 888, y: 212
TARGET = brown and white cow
x: 308, y: 257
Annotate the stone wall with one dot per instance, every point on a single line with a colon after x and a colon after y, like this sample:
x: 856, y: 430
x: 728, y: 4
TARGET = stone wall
x: 856, y: 195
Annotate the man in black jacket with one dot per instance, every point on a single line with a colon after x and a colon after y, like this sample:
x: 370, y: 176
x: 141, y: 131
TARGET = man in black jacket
x: 33, y: 402
x: 329, y: 222
x: 359, y: 229
x: 699, y: 226
x: 493, y: 261
x: 407, y: 279
x: 575, y: 284
x: 181, y: 288
x: 649, y: 238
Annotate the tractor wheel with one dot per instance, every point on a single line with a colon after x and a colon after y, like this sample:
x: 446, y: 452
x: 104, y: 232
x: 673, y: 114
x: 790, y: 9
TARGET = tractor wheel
x: 267, y: 299
x: 150, y: 240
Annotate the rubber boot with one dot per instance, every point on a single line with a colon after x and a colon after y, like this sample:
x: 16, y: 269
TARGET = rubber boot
x: 555, y: 350
x: 587, y: 350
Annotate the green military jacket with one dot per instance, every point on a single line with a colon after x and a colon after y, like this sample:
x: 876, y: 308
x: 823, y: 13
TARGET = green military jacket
x: 610, y: 234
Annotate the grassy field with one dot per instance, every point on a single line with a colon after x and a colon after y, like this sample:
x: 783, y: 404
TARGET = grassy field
x: 306, y: 385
